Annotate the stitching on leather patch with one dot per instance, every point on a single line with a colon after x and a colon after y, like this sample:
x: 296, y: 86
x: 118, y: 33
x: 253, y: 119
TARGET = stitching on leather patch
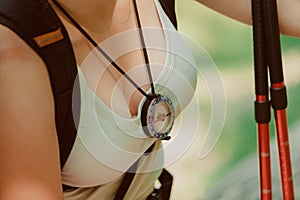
x: 49, y: 38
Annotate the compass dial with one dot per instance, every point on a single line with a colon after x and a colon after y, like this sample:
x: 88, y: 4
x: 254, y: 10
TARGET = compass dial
x: 159, y: 118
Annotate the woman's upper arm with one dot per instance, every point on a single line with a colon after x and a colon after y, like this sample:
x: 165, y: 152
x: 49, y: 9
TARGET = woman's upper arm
x: 289, y: 17
x: 288, y: 11
x: 29, y: 153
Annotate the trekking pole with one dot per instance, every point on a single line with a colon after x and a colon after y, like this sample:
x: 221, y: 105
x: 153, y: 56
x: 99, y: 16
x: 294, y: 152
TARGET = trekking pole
x: 278, y: 94
x: 267, y: 52
x: 262, y: 103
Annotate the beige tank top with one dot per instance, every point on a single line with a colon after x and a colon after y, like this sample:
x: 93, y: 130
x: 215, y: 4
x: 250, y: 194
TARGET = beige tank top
x: 98, y: 160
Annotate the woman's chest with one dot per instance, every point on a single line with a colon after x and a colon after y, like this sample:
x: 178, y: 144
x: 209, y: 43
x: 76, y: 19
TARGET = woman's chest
x: 126, y: 57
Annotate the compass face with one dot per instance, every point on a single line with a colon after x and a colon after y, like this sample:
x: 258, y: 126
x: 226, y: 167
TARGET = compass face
x: 160, y: 117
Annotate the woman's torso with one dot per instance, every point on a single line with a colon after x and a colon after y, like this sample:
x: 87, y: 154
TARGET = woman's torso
x: 110, y: 137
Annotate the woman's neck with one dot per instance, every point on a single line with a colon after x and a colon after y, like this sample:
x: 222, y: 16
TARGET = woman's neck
x: 88, y: 12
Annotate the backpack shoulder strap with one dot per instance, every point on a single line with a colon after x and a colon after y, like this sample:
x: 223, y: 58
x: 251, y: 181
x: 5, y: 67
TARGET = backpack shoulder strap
x: 169, y: 8
x: 38, y: 25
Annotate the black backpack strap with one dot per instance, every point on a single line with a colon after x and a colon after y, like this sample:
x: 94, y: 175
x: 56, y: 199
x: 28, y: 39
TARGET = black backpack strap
x: 164, y: 192
x: 165, y: 178
x: 129, y: 176
x: 38, y: 25
x: 169, y: 8
x: 126, y: 181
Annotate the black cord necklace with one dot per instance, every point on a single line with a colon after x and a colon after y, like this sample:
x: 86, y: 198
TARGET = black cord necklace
x: 158, y: 114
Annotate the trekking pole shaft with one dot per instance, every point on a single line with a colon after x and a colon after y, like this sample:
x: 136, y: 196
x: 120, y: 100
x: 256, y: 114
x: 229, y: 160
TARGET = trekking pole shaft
x: 284, y: 155
x: 278, y: 94
x: 262, y: 104
x: 264, y: 161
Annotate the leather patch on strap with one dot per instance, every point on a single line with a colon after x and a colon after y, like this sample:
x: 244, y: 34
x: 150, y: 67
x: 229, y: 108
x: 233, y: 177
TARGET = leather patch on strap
x: 49, y: 38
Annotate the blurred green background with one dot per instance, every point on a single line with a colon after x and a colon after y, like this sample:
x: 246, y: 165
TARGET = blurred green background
x: 229, y: 43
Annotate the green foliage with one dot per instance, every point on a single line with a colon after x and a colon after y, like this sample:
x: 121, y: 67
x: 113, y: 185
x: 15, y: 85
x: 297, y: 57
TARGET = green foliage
x: 229, y: 43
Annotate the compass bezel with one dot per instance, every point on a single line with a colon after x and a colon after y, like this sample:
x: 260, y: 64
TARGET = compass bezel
x: 148, y: 110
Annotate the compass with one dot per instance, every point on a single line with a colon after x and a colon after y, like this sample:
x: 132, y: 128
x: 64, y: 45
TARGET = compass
x: 157, y: 116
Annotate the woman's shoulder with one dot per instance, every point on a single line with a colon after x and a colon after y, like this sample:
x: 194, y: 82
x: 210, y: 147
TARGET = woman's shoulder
x: 12, y: 46
x: 27, y: 128
x: 16, y: 54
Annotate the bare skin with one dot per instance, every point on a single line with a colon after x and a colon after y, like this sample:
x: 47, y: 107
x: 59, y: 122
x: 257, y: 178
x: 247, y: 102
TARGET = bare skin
x: 29, y: 149
x: 29, y: 153
x: 288, y: 11
x: 114, y: 25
